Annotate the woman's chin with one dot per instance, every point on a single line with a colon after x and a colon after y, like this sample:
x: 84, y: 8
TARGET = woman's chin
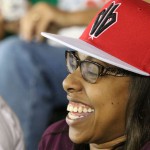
x: 76, y: 138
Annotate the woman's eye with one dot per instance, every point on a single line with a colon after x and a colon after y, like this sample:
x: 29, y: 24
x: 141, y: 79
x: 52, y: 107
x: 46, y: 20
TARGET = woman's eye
x: 92, y: 69
x: 92, y: 73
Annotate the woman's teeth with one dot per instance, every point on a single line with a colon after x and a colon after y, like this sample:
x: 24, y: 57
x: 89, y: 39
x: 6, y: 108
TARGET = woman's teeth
x: 77, y: 110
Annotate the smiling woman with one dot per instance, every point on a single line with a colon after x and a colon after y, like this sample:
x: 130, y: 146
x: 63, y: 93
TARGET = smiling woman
x: 108, y: 83
x: 113, y: 105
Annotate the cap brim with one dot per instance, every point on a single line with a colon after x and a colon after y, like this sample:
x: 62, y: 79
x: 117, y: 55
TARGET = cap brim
x: 92, y: 51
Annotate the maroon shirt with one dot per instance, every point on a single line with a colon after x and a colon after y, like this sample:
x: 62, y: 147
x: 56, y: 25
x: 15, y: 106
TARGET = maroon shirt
x: 56, y: 138
x: 146, y: 146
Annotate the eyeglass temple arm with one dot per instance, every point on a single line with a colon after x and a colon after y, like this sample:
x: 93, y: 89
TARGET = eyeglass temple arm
x: 115, y: 71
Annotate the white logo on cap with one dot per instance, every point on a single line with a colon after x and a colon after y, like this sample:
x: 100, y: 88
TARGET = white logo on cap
x: 104, y: 20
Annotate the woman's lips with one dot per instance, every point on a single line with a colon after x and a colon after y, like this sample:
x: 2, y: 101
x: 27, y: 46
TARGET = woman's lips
x: 78, y: 110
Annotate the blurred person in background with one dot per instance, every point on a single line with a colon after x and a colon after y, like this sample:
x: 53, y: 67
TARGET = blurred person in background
x: 31, y: 74
x: 11, y: 136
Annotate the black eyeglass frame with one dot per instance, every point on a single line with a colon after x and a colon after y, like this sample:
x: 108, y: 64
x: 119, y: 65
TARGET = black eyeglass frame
x: 113, y: 71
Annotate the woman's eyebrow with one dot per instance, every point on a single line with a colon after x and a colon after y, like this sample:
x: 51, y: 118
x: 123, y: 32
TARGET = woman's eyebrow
x: 93, y: 59
x: 100, y: 62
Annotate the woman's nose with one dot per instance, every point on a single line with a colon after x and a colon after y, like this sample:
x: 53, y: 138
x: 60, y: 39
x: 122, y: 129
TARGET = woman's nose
x: 72, y: 83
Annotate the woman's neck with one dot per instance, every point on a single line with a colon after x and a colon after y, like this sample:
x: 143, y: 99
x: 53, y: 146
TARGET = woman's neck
x: 108, y: 145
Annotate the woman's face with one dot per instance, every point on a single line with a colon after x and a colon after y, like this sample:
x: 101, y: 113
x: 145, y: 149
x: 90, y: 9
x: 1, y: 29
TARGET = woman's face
x: 96, y: 111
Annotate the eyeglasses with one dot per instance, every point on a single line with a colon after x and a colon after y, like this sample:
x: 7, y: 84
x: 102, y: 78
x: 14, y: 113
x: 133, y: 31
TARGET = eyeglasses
x: 91, y: 70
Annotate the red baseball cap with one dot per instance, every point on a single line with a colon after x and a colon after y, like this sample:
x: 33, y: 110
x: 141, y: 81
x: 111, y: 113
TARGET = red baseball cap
x: 119, y: 35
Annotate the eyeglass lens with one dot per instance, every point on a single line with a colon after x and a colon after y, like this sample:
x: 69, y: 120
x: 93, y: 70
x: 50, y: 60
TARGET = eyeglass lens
x: 71, y: 62
x: 89, y: 71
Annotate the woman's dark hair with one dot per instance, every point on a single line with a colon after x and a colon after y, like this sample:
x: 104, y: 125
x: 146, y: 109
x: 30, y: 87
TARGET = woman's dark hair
x: 138, y: 113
